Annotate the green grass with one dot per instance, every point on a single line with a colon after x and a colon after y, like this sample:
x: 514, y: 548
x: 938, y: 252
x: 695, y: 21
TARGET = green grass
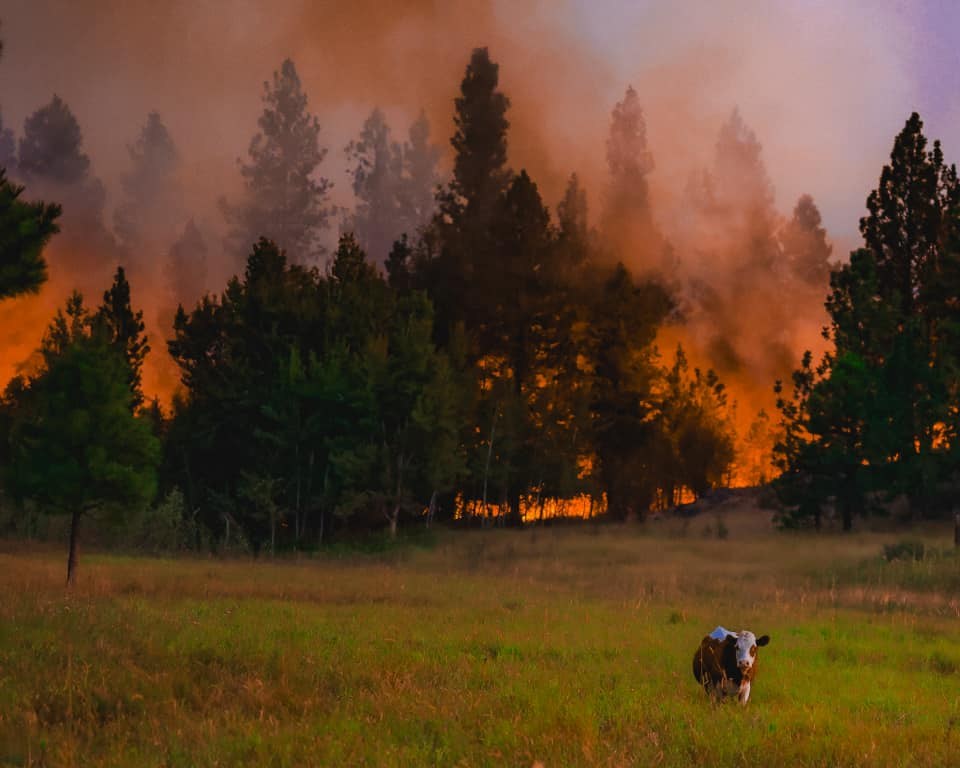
x: 564, y: 647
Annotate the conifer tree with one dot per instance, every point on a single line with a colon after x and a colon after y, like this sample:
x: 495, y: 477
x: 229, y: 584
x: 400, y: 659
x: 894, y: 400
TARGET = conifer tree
x: 420, y: 177
x: 805, y: 245
x: 25, y: 228
x: 50, y: 147
x: 873, y: 413
x: 123, y: 329
x: 574, y: 237
x: 52, y: 164
x: 376, y: 167
x: 480, y: 141
x: 8, y: 148
x: 76, y: 446
x: 186, y: 267
x: 467, y: 205
x: 148, y: 188
x: 285, y: 201
x: 627, y: 223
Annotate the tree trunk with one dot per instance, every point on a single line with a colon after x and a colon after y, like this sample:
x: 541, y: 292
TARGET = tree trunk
x: 273, y: 532
x: 393, y: 521
x: 847, y: 514
x: 296, y: 504
x: 308, y: 493
x: 72, y: 556
x: 394, y: 517
x: 486, y: 466
x: 323, y: 505
x: 432, y: 509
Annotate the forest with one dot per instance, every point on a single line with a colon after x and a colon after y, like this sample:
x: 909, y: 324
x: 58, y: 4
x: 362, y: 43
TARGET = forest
x: 466, y: 353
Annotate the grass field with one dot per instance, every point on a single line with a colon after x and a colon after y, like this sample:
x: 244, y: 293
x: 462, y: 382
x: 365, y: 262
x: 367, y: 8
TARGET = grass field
x: 560, y: 647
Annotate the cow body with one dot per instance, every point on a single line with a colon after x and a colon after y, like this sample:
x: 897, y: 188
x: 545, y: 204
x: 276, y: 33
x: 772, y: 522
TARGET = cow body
x: 726, y: 663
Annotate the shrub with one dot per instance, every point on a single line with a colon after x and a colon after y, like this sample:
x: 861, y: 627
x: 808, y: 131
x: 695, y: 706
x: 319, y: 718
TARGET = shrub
x: 906, y: 549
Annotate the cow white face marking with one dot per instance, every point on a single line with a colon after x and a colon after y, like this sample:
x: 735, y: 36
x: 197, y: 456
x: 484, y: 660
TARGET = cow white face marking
x: 746, y: 649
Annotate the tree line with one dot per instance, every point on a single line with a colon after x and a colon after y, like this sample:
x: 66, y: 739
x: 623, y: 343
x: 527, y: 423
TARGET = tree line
x: 465, y: 354
x: 876, y: 419
x: 501, y: 357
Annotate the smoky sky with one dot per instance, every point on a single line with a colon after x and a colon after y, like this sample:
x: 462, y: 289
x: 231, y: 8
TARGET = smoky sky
x: 825, y: 85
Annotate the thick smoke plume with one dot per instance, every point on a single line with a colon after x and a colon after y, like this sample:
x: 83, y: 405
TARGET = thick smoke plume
x: 797, y: 82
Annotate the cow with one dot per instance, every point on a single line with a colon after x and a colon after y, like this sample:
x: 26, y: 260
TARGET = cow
x: 726, y: 662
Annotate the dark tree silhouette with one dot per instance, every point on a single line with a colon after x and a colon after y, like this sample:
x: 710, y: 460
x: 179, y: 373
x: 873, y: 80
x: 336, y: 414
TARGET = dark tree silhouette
x: 76, y: 445
x: 25, y: 228
x: 877, y: 413
x: 8, y: 148
x: 50, y: 147
x: 805, y: 245
x: 123, y: 329
x: 480, y: 141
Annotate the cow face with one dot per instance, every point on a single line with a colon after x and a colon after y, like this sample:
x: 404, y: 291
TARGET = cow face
x: 747, y: 644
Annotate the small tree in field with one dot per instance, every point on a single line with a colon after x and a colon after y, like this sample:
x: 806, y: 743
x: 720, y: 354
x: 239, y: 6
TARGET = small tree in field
x: 76, y: 445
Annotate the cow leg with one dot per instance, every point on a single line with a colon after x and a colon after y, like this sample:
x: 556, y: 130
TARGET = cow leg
x: 744, y: 693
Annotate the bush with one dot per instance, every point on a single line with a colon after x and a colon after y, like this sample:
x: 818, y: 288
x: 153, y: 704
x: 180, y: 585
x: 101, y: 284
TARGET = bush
x: 907, y: 549
x: 166, y: 527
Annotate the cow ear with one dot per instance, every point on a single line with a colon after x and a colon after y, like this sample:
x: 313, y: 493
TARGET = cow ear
x: 763, y: 639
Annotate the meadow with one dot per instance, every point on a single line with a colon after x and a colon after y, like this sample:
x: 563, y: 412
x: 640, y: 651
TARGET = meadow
x: 562, y: 646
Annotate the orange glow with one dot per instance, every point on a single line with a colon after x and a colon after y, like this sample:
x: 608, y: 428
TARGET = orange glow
x: 25, y: 319
x: 532, y: 509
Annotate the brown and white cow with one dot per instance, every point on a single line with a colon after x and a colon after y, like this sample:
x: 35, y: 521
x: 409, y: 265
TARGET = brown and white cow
x: 726, y: 662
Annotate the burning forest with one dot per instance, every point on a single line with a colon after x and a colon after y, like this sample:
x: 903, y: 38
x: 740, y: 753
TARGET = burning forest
x: 464, y: 279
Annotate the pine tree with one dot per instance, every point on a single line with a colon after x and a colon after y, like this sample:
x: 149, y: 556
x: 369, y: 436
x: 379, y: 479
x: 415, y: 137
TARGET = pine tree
x: 627, y: 223
x: 398, y: 265
x: 574, y: 236
x: 739, y: 171
x: 623, y: 323
x: 53, y: 165
x: 285, y: 200
x: 910, y: 213
x: 465, y: 248
x: 123, y: 329
x: 8, y: 148
x: 25, y: 228
x: 186, y: 267
x: 376, y: 167
x: 420, y: 177
x: 480, y: 141
x: 874, y: 415
x: 805, y: 246
x: 50, y: 147
x: 77, y: 447
x: 148, y: 187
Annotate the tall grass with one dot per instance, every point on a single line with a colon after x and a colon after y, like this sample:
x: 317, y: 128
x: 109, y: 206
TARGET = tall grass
x: 563, y: 647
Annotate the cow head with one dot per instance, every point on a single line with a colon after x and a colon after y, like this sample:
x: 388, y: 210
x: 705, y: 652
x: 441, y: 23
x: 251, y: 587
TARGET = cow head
x: 747, y: 644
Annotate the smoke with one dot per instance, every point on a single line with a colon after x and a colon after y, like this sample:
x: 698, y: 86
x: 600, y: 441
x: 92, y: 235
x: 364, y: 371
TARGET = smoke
x: 825, y: 86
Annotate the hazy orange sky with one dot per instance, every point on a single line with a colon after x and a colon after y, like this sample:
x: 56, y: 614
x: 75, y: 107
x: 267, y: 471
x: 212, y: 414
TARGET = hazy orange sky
x: 826, y: 85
